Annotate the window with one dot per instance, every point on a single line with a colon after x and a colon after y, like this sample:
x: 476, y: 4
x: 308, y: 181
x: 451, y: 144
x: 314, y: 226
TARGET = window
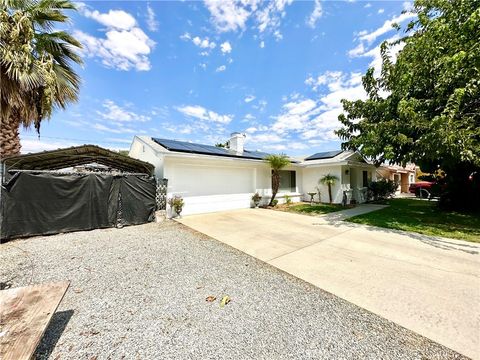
x: 288, y: 181
x: 365, y: 178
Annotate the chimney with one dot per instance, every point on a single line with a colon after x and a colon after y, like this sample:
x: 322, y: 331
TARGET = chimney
x: 237, y: 140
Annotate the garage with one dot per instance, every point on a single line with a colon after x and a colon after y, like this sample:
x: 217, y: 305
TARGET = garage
x: 72, y: 189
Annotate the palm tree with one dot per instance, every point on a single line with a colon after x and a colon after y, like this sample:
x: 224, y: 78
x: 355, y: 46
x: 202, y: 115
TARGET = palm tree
x: 329, y: 180
x: 277, y: 163
x: 36, y: 66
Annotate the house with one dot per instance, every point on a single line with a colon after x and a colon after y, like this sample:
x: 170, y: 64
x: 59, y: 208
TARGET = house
x: 211, y: 178
x: 402, y: 175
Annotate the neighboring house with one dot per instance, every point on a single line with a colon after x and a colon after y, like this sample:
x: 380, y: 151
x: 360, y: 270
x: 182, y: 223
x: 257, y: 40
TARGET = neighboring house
x: 211, y: 179
x: 403, y: 176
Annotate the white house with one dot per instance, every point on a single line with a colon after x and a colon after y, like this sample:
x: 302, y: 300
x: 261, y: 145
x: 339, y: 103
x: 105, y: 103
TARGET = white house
x: 211, y: 179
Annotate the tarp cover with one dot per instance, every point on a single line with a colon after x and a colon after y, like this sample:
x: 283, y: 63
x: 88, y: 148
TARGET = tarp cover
x: 46, y: 203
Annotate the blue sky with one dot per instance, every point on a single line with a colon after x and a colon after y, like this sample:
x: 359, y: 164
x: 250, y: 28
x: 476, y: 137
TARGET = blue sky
x: 198, y: 71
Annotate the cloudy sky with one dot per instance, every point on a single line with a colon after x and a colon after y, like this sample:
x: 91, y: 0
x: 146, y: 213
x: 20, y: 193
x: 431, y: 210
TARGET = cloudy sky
x: 198, y: 71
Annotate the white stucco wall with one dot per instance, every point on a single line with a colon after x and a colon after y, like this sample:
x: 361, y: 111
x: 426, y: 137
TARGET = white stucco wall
x: 210, y: 184
x: 311, y: 177
x: 143, y: 151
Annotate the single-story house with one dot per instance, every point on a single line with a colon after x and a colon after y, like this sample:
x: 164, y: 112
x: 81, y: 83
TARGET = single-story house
x: 212, y: 179
x: 403, y: 176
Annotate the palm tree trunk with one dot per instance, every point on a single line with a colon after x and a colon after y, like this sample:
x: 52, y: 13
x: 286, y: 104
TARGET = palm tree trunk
x: 275, y: 186
x: 9, y: 137
x: 330, y: 192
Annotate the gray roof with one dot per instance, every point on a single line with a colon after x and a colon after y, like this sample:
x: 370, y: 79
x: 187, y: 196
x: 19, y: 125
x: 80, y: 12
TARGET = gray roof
x: 324, y: 155
x: 186, y: 147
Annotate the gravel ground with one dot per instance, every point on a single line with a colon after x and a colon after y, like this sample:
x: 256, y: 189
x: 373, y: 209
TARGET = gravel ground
x: 140, y: 293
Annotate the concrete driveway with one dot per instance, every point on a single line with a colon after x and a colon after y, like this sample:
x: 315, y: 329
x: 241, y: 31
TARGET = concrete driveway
x: 426, y: 284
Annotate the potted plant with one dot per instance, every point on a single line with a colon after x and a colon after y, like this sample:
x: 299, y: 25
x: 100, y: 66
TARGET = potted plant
x: 256, y: 198
x: 176, y: 205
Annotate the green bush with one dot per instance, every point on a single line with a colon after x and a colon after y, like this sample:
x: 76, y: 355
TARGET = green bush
x: 381, y: 189
x: 176, y: 203
x: 288, y: 199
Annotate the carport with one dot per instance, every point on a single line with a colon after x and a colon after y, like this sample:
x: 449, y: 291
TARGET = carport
x: 77, y: 188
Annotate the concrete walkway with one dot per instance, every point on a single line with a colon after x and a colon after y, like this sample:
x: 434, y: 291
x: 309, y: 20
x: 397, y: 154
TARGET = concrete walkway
x: 426, y: 284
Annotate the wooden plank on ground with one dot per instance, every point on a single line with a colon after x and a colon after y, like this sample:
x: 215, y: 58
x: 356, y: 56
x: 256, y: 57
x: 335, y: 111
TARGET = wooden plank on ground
x: 24, y: 315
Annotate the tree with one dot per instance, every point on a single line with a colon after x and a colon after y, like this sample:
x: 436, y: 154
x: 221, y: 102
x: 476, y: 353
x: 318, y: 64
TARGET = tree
x: 36, y: 66
x: 277, y: 163
x: 329, y: 180
x: 424, y: 106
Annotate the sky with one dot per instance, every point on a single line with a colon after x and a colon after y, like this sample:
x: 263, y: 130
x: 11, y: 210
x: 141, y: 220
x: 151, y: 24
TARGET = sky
x: 198, y: 71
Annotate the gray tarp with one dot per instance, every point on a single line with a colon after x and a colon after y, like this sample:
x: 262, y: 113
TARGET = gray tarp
x: 46, y: 203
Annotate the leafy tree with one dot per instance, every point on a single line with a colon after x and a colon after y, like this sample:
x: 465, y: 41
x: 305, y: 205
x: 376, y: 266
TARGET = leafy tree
x: 277, y: 163
x: 36, y: 66
x: 225, y: 145
x: 328, y: 180
x: 424, y: 106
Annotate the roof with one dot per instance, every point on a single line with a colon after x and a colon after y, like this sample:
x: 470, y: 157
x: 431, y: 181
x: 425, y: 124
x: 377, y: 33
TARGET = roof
x: 324, y: 155
x: 186, y: 147
x: 77, y: 155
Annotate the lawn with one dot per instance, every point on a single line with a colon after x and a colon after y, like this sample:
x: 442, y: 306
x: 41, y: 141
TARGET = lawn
x: 424, y: 217
x: 315, y: 209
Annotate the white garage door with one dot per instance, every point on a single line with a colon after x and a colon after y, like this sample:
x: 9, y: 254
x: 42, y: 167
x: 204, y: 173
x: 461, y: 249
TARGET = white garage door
x: 202, y: 180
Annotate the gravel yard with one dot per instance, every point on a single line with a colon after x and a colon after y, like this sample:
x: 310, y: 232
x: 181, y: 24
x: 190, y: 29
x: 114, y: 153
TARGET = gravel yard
x: 139, y: 293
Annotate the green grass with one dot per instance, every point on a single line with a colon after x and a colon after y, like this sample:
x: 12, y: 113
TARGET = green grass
x: 423, y: 217
x: 315, y: 209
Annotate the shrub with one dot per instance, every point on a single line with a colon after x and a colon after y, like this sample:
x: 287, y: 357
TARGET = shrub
x: 288, y: 199
x: 381, y: 189
x: 176, y: 203
x: 274, y: 202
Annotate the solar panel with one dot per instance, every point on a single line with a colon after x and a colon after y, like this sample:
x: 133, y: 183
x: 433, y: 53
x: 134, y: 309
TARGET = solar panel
x: 324, y: 155
x: 183, y: 146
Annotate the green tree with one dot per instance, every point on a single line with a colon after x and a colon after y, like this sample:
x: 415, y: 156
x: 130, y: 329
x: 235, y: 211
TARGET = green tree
x: 277, y: 163
x: 36, y: 66
x: 424, y: 106
x: 328, y: 180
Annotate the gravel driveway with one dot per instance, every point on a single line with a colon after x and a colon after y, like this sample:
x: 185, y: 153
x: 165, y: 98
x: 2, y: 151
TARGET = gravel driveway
x: 139, y: 293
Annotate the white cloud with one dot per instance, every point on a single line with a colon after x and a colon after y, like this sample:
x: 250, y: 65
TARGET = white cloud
x: 152, y: 22
x: 125, y: 45
x: 316, y: 14
x: 226, y: 48
x: 249, y: 98
x: 381, y: 11
x: 221, y: 68
x: 117, y: 19
x: 231, y: 15
x: 407, y: 5
x: 269, y: 17
x: 328, y: 77
x: 317, y: 119
x: 295, y: 115
x: 261, y: 105
x: 204, y: 43
x: 262, y: 44
x: 367, y: 5
x: 116, y: 113
x: 357, y: 51
x: 199, y: 112
x: 369, y: 37
x: 37, y: 145
x: 186, y: 36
